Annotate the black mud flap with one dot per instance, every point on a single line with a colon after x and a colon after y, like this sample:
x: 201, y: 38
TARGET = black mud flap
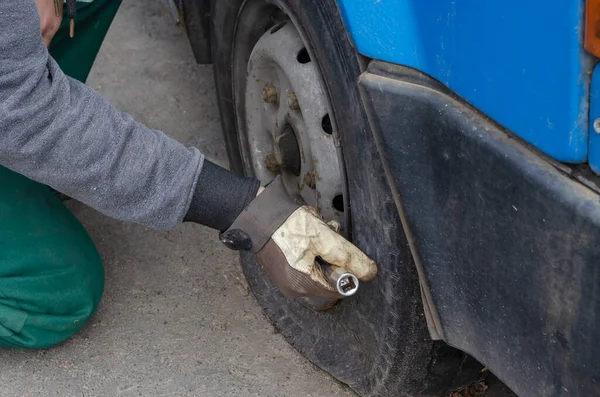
x: 196, y: 20
x: 507, y: 244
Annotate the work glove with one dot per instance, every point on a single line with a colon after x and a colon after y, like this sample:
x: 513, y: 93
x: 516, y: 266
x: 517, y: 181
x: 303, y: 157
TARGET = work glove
x: 287, y: 239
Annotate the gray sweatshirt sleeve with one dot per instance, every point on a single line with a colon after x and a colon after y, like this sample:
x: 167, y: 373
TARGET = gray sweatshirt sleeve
x: 57, y: 131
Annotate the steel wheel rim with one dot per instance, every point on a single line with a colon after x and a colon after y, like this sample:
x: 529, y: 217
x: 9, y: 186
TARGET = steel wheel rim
x: 285, y: 102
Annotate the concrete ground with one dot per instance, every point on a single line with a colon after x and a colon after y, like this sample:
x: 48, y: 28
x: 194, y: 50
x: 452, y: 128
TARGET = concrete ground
x: 177, y: 318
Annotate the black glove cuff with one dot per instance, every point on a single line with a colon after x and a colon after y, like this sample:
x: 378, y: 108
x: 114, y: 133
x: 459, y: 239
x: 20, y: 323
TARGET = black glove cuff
x: 220, y: 196
x: 256, y: 224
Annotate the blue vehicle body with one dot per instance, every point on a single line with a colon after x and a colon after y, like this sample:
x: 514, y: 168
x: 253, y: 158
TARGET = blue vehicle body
x: 520, y: 62
x: 594, y: 150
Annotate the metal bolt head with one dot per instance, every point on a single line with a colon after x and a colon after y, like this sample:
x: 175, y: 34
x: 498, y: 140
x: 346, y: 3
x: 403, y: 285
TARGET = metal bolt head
x: 293, y: 101
x: 270, y: 94
x: 597, y: 125
x: 272, y: 164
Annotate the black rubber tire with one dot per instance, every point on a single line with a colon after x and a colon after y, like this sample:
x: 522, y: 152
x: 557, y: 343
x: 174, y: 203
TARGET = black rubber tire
x: 376, y: 342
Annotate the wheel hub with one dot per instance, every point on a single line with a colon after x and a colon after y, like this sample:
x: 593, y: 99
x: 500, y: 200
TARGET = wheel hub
x: 287, y: 146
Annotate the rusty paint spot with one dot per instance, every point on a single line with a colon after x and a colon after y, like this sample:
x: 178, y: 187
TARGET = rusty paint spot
x: 272, y: 164
x: 310, y: 179
x: 270, y: 94
x: 293, y: 101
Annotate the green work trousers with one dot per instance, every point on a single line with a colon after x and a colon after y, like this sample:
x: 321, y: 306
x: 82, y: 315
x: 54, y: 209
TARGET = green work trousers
x: 51, y: 276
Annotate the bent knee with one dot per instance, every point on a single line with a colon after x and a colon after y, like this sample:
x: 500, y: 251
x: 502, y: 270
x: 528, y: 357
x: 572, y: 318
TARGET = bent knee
x: 40, y: 330
x: 51, y: 275
x: 44, y: 310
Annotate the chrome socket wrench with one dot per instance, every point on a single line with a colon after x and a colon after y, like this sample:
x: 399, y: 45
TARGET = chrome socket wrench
x: 344, y: 282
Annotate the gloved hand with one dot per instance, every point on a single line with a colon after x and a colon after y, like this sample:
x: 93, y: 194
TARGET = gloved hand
x: 287, y: 238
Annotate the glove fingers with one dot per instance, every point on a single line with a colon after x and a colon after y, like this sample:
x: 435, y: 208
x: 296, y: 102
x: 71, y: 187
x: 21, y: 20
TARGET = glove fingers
x: 337, y: 251
x: 290, y: 281
x: 334, y: 225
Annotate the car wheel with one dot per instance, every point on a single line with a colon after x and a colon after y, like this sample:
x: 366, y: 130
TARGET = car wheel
x: 286, y: 75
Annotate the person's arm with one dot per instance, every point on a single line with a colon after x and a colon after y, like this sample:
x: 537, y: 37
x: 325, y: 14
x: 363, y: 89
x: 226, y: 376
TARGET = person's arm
x: 57, y: 131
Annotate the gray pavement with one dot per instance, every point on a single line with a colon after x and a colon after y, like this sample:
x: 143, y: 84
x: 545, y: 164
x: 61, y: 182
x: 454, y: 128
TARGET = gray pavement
x: 177, y: 318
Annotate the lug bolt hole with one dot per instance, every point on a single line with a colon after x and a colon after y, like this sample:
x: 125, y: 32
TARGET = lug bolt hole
x: 338, y: 203
x: 326, y: 124
x: 303, y: 56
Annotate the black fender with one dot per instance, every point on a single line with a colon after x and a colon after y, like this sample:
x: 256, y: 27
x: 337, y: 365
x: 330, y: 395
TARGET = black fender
x: 506, y: 241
